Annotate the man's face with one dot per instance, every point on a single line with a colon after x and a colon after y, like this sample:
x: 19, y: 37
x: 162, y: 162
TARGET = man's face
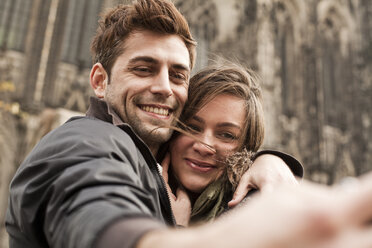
x: 148, y: 84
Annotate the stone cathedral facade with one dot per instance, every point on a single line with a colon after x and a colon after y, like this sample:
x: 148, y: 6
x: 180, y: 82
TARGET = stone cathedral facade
x: 314, y: 58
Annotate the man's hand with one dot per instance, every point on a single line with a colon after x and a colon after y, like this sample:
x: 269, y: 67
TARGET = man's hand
x: 266, y: 171
x: 181, y: 204
x: 308, y: 215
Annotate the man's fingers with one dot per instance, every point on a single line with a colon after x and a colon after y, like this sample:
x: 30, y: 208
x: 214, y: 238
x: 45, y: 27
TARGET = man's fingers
x: 357, y: 199
x: 360, y: 238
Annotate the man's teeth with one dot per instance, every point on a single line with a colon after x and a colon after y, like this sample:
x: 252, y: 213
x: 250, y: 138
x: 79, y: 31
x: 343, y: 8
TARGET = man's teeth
x: 155, y: 110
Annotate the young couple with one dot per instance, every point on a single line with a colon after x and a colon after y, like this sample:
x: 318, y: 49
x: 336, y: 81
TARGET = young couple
x: 94, y: 181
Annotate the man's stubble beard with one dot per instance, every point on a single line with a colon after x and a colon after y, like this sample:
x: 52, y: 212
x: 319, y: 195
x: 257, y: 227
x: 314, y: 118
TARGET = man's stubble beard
x: 160, y: 132
x: 152, y: 137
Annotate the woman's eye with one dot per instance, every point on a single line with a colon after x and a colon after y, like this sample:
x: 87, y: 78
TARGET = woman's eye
x: 229, y: 136
x: 193, y: 128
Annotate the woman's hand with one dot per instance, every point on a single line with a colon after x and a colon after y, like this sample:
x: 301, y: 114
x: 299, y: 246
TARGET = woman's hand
x: 266, y: 171
x: 180, y: 202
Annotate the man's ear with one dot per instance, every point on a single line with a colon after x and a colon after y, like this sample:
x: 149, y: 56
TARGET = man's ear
x: 98, y: 80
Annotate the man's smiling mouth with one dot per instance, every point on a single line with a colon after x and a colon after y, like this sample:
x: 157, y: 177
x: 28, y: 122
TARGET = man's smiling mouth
x: 156, y: 110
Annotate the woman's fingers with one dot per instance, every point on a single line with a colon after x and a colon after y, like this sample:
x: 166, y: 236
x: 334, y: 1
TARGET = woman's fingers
x: 182, y: 207
x: 165, y: 165
x: 180, y: 202
x: 241, y: 191
x: 183, y: 198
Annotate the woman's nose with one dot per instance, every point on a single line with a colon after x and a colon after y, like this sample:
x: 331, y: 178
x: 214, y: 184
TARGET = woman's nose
x: 205, y: 146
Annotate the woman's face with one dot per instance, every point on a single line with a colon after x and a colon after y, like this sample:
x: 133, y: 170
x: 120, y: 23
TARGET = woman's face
x: 219, y: 124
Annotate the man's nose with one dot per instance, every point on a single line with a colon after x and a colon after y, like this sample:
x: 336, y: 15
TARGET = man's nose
x: 205, y: 146
x: 161, y: 84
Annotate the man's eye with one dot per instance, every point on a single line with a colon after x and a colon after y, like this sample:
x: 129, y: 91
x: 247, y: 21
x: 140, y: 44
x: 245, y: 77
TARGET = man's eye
x: 178, y: 77
x: 142, y: 70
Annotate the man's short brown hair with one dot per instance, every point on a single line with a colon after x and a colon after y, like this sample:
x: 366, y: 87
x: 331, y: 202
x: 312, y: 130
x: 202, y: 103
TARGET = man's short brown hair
x: 160, y: 16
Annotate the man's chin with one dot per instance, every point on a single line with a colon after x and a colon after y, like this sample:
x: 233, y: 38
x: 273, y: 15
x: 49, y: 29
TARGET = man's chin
x: 161, y: 135
x: 154, y: 135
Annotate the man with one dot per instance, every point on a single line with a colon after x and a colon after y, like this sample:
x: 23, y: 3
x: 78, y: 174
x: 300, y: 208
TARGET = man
x: 94, y: 181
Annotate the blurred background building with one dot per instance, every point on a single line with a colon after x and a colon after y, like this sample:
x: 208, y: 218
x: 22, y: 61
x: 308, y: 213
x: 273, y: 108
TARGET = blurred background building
x: 314, y: 57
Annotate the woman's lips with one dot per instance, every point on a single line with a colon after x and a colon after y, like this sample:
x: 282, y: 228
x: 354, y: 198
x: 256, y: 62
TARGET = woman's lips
x: 200, y: 166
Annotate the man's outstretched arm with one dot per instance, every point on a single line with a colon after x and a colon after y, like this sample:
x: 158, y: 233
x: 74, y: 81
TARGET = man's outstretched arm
x: 306, y: 216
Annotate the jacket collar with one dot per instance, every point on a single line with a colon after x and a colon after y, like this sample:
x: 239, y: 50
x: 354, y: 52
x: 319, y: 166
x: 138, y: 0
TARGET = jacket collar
x: 99, y: 109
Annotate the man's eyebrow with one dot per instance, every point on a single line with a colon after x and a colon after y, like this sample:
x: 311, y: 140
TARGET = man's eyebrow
x: 152, y: 60
x: 181, y: 67
x: 143, y: 59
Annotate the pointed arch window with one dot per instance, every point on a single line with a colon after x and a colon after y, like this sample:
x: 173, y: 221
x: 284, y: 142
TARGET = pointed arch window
x: 285, y: 47
x: 14, y: 19
x: 336, y: 78
x: 81, y: 24
x: 202, y: 18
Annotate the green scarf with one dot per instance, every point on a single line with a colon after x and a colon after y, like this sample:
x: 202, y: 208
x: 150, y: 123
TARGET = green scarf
x: 211, y: 203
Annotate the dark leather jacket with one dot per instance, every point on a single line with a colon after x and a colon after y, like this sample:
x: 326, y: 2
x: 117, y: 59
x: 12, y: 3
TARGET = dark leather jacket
x: 81, y: 178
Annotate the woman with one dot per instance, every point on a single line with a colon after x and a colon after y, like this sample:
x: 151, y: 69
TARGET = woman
x: 220, y: 129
